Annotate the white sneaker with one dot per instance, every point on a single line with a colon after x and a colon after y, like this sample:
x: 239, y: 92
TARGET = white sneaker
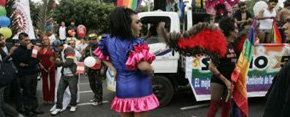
x: 53, y: 108
x: 55, y: 112
x: 73, y: 108
x: 96, y: 103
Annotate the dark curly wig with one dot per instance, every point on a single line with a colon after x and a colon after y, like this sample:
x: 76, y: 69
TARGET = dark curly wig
x: 120, y: 22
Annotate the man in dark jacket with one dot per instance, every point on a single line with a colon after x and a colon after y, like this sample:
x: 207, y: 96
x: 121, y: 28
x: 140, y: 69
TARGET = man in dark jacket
x: 7, y: 79
x: 243, y: 16
x: 94, y: 75
x: 67, y: 61
x: 27, y: 72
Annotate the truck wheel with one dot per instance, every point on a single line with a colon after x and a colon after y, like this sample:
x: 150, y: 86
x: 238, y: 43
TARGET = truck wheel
x: 163, y: 89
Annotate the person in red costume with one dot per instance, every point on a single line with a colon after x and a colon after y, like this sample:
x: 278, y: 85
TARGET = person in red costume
x: 47, y: 69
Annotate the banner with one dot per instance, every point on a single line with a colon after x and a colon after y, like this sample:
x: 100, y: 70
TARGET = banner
x: 21, y: 18
x: 266, y: 63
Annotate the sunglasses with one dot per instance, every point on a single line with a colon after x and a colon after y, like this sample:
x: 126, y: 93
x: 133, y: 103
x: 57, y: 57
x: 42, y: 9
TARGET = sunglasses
x: 93, y: 39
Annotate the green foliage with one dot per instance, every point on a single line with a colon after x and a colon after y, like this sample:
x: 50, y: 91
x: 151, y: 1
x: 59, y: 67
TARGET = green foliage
x: 87, y: 12
x: 34, y: 11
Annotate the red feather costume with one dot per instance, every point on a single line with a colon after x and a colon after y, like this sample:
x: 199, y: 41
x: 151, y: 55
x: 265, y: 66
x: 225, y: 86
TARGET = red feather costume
x: 202, y: 38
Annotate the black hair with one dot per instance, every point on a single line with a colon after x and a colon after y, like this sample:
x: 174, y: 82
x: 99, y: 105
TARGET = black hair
x: 221, y: 12
x: 227, y: 24
x: 152, y: 30
x: 120, y: 22
x: 241, y: 4
x: 273, y: 1
x: 287, y: 3
x: 22, y: 35
x: 1, y: 35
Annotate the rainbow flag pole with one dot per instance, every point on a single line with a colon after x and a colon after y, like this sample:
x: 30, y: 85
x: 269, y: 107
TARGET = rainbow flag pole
x: 133, y: 4
x: 276, y: 32
x: 239, y: 75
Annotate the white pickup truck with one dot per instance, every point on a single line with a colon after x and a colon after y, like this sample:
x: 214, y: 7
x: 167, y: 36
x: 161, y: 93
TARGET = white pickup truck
x: 173, y: 71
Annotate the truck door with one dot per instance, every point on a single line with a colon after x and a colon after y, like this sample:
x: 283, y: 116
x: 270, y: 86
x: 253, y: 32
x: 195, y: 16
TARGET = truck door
x: 166, y: 59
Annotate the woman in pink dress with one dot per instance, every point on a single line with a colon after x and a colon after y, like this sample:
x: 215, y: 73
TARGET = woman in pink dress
x: 47, y: 69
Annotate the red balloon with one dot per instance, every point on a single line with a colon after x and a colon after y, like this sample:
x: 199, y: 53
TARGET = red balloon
x: 3, y: 3
x: 81, y: 30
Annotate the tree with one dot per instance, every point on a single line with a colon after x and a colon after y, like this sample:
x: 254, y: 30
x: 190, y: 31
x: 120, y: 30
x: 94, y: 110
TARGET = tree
x: 90, y: 13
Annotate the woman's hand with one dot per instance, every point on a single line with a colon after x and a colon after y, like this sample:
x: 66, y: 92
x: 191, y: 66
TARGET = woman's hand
x: 145, y: 67
x: 228, y: 84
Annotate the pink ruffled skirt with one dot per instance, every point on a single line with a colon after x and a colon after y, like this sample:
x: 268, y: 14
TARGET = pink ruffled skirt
x: 125, y: 105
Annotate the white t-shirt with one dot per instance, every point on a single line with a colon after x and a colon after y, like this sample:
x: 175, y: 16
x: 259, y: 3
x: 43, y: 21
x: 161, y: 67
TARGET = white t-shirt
x: 62, y: 33
x: 81, y: 46
x: 52, y: 38
x: 267, y: 24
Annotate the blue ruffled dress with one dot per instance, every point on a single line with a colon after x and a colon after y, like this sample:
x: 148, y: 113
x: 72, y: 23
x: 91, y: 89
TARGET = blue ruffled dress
x: 133, y: 88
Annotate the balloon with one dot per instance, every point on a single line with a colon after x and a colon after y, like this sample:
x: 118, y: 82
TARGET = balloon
x: 97, y: 65
x: 4, y: 21
x: 71, y: 32
x: 90, y: 61
x: 81, y: 30
x: 3, y: 2
x: 259, y: 6
x: 2, y: 11
x: 6, y: 32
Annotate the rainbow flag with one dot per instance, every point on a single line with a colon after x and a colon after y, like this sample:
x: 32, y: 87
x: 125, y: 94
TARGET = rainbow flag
x: 239, y: 75
x: 133, y: 4
x: 276, y: 32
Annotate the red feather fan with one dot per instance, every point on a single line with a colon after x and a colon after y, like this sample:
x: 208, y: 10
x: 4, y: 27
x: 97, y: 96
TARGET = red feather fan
x: 212, y: 40
x: 203, y: 38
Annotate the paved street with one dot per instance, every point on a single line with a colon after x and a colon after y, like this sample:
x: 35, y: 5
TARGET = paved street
x: 183, y: 99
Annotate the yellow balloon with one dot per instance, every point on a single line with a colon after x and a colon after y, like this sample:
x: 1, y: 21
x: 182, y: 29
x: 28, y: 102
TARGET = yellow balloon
x: 6, y: 32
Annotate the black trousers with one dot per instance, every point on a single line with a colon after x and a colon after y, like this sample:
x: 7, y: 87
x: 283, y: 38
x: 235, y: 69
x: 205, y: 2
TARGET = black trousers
x: 6, y: 110
x: 72, y: 83
x: 95, y: 80
x: 29, y: 84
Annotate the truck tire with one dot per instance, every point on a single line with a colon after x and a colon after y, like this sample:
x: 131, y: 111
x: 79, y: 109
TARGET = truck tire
x: 163, y: 89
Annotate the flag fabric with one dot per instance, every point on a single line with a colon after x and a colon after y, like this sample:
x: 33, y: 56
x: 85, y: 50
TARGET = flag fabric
x: 34, y: 51
x: 239, y: 75
x: 133, y: 4
x: 80, y: 68
x: 277, y: 34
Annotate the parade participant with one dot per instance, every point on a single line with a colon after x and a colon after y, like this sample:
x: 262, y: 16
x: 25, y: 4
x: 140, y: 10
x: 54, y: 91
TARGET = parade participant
x: 28, y: 71
x: 78, y: 55
x: 120, y: 52
x: 67, y: 61
x: 278, y: 101
x: 72, y: 44
x: 94, y: 75
x: 81, y: 46
x: 47, y: 69
x: 221, y: 80
x: 242, y: 16
x: 72, y: 28
x: 62, y: 32
x: 266, y: 25
x: 6, y: 80
x: 66, y: 95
